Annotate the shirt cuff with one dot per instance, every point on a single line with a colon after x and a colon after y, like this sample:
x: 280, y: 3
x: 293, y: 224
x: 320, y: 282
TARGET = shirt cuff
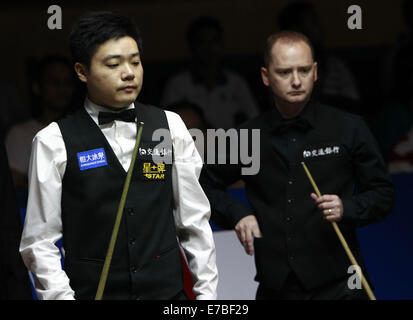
x: 236, y: 211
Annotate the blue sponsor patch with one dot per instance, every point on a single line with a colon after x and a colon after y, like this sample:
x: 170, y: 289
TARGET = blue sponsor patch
x: 92, y: 159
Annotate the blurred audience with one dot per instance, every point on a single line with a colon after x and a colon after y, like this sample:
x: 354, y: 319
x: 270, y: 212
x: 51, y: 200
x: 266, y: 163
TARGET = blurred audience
x: 12, y: 108
x: 394, y: 119
x: 52, y: 92
x: 223, y: 95
x: 401, y: 156
x: 14, y: 277
x: 191, y: 114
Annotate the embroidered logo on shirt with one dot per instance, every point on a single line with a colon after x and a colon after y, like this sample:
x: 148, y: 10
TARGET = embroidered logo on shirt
x: 153, y: 171
x: 92, y: 159
x: 155, y: 152
x: 321, y: 152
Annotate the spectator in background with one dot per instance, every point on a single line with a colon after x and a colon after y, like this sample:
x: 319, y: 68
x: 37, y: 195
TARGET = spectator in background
x: 12, y: 109
x: 52, y: 91
x: 401, y: 156
x: 395, y: 118
x: 223, y: 95
x: 191, y: 114
x: 336, y: 84
x: 14, y: 278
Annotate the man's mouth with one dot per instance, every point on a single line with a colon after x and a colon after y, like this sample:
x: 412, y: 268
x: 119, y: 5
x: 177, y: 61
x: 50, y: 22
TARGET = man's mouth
x: 296, y: 93
x: 128, y: 88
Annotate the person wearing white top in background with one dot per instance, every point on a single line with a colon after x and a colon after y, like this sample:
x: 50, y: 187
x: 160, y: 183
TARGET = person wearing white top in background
x: 76, y: 200
x: 223, y: 95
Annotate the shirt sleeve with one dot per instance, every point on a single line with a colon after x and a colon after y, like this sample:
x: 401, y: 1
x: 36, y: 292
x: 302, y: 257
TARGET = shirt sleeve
x: 374, y: 196
x: 192, y: 211
x: 226, y: 210
x: 43, y: 224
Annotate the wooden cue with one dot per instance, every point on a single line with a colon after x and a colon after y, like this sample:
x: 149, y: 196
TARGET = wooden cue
x: 342, y: 240
x: 112, y: 242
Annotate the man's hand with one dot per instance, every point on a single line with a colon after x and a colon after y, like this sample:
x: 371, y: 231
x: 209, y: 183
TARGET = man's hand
x: 247, y: 228
x: 331, y: 206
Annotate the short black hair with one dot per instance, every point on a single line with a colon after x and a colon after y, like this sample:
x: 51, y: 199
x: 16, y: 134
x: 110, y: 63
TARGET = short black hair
x: 95, y: 28
x: 200, y: 23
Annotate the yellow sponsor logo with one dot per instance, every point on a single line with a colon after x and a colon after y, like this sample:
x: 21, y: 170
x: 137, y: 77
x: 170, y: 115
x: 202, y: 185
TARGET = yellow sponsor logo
x: 154, y: 171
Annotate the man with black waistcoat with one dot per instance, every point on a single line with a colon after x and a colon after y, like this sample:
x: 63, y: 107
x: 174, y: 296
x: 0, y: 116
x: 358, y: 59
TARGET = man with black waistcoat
x: 77, y: 172
x: 297, y: 253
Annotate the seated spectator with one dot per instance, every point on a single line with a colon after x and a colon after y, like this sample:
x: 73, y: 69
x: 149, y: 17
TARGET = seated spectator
x: 401, y: 157
x: 223, y: 95
x: 392, y: 122
x: 12, y: 109
x: 52, y: 91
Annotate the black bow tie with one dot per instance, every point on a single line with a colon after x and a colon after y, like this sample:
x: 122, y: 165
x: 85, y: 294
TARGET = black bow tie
x: 126, y: 115
x: 298, y: 123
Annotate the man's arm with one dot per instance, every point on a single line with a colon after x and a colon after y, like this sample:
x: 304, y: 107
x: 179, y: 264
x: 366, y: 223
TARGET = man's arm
x: 43, y: 224
x: 192, y: 211
x: 374, y: 196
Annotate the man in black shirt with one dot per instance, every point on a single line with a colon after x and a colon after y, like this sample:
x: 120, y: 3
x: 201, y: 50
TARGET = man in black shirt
x: 297, y: 253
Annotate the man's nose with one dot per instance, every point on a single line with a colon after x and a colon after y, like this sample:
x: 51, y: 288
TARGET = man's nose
x: 127, y: 73
x: 295, y: 81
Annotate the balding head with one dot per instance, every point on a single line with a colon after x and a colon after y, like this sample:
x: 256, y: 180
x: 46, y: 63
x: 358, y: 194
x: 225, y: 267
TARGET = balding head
x: 284, y: 37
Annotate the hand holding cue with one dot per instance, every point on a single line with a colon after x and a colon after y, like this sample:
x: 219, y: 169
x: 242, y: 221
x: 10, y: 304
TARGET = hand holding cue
x: 342, y: 240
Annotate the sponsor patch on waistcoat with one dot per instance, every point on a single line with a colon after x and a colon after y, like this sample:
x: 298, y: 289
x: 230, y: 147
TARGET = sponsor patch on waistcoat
x: 92, y: 159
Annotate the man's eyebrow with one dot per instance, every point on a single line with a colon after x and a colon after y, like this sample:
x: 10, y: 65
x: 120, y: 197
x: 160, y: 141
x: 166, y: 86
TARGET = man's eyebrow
x: 118, y: 56
x: 283, y: 69
x: 290, y: 68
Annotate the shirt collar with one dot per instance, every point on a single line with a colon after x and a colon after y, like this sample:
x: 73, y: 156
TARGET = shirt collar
x: 307, y: 115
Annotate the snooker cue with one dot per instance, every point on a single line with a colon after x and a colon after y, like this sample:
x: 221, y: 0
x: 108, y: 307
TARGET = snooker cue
x: 342, y: 240
x: 108, y: 259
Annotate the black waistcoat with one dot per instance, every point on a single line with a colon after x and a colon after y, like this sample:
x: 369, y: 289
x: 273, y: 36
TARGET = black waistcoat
x: 146, y: 262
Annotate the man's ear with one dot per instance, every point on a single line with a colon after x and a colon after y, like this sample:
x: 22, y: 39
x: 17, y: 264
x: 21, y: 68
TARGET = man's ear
x: 264, y: 76
x: 81, y: 71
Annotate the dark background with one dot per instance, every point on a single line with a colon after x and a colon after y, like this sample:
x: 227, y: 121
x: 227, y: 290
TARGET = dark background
x: 25, y: 36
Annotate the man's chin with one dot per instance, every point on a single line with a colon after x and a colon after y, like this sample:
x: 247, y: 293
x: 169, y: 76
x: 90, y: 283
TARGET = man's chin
x: 121, y: 103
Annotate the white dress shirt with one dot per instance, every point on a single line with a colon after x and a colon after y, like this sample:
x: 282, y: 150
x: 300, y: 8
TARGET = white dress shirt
x: 43, y: 223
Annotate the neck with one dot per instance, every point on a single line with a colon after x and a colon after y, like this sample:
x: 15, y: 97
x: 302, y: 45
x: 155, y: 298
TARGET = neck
x: 110, y: 108
x: 289, y: 110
